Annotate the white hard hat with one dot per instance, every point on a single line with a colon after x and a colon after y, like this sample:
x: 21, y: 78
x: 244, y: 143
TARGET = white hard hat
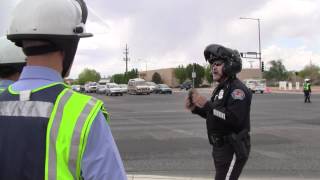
x: 306, y: 79
x: 44, y: 18
x: 60, y: 22
x: 9, y: 53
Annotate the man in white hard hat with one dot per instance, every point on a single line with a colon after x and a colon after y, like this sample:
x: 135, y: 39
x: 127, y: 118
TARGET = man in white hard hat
x: 48, y: 131
x: 307, y: 90
x: 12, y: 61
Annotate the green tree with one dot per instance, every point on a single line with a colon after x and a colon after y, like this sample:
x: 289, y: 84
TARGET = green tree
x: 208, y: 74
x: 119, y: 79
x: 132, y: 74
x: 156, y: 78
x: 312, y: 72
x: 180, y: 73
x: 277, y: 72
x: 199, y: 73
x: 88, y: 75
x: 75, y: 82
x: 124, y: 78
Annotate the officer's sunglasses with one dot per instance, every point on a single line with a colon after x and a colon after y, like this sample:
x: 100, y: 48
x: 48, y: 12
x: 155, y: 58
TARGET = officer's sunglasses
x: 214, y: 60
x: 216, y: 63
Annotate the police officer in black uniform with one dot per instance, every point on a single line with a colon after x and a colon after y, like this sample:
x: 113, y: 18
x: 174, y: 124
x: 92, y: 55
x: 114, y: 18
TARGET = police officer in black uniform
x: 227, y: 113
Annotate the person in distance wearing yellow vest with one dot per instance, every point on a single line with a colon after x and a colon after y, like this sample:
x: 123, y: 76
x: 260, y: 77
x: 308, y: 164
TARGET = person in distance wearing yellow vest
x: 307, y: 90
x: 12, y: 61
x: 47, y: 131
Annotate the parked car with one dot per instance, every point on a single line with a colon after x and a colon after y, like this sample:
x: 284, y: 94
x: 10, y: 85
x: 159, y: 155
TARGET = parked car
x: 186, y: 85
x: 90, y: 87
x: 256, y: 85
x: 152, y: 86
x: 113, y: 89
x: 101, y: 87
x: 124, y: 87
x: 76, y: 88
x: 138, y: 86
x: 163, y: 89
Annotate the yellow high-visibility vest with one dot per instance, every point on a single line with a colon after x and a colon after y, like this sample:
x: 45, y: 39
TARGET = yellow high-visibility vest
x: 70, y: 120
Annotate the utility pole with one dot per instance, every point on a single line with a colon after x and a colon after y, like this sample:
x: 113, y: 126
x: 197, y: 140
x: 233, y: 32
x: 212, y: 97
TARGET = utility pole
x: 126, y: 58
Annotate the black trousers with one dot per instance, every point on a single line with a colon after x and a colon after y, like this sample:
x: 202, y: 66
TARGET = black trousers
x: 227, y: 166
x: 306, y: 96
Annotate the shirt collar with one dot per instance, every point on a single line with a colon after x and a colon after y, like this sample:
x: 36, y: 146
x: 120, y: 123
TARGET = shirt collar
x: 5, y: 83
x: 41, y: 73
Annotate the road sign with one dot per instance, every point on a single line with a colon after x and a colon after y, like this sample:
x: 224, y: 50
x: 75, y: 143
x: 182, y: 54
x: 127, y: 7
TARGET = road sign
x: 194, y: 75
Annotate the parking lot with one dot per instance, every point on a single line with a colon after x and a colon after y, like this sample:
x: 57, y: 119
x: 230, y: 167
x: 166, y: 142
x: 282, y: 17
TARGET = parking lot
x: 156, y: 135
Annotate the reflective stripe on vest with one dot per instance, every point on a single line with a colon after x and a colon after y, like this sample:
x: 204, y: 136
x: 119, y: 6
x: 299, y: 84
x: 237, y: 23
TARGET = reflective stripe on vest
x: 306, y: 86
x: 67, y: 133
x: 26, y: 108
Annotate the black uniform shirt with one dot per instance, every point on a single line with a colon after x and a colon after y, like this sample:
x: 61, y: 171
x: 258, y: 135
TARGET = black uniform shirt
x: 229, y: 108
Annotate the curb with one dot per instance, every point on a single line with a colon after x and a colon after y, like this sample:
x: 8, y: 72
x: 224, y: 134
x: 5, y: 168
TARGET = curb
x: 152, y: 177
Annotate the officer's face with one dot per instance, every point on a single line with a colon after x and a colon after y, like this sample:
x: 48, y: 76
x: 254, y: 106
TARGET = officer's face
x: 217, y: 70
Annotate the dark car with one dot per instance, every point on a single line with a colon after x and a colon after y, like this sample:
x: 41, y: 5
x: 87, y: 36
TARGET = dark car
x: 186, y: 85
x: 162, y: 89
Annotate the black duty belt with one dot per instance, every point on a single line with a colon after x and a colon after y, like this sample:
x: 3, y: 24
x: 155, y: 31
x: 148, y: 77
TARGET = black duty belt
x: 218, y: 140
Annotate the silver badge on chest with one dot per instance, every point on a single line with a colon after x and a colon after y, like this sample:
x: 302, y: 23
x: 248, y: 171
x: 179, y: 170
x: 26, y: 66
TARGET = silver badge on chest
x: 220, y: 96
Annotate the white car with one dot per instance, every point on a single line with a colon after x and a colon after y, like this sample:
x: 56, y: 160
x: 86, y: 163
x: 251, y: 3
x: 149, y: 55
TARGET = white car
x: 256, y: 85
x: 138, y: 86
x: 76, y: 88
x: 152, y: 86
x: 113, y: 89
x: 101, y: 89
x: 124, y: 87
x: 90, y: 87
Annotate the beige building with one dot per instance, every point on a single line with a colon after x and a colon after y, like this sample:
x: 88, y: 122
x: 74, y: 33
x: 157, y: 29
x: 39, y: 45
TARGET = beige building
x: 168, y: 77
x: 250, y: 74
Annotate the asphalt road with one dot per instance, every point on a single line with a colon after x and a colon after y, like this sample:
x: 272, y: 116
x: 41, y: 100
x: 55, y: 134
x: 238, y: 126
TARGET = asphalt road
x: 157, y: 136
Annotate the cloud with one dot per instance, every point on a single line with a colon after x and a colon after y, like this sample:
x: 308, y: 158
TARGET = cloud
x: 5, y: 15
x: 293, y: 58
x: 167, y: 33
x: 295, y: 19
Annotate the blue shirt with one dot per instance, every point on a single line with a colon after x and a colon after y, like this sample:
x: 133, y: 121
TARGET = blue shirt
x: 101, y: 159
x: 4, y: 84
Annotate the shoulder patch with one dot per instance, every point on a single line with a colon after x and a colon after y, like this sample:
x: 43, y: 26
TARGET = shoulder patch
x: 238, y: 94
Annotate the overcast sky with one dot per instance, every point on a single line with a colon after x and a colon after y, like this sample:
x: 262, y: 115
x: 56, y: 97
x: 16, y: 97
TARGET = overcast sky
x: 167, y: 33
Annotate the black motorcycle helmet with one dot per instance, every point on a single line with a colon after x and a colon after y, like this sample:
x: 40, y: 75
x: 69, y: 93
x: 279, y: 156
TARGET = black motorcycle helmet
x: 231, y: 58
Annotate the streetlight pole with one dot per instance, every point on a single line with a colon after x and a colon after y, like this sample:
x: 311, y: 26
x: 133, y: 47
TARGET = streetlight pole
x: 259, y: 44
x: 256, y: 19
